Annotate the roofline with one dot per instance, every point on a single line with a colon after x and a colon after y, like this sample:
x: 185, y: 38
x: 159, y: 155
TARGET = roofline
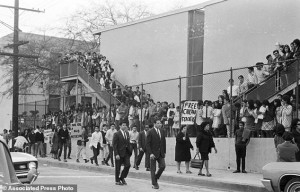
x: 198, y: 7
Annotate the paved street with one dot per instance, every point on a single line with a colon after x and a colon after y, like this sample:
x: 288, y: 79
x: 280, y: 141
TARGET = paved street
x: 91, y: 181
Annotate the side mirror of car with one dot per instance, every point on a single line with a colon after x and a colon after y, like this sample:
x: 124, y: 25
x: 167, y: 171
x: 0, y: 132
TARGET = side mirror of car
x: 32, y: 175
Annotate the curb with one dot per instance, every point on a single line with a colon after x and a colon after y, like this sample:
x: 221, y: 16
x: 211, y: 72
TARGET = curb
x: 167, y: 177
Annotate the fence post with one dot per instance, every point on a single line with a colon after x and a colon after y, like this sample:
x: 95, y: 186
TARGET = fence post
x: 231, y: 102
x: 179, y: 101
x: 297, y: 89
x: 34, y: 114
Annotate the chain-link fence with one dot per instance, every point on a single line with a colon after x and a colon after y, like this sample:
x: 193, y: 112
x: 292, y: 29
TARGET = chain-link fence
x: 254, y: 82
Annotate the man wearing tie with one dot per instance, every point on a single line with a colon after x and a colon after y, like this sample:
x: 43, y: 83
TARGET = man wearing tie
x: 156, y: 147
x: 122, y: 153
x: 142, y: 147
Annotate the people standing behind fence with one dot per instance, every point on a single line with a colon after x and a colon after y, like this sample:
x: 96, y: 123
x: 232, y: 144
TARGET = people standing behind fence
x: 286, y: 113
x: 205, y: 143
x: 261, y: 73
x: 176, y: 119
x: 286, y: 152
x: 217, y: 118
x: 182, y: 150
x: 243, y: 86
x: 55, y: 143
x: 250, y: 117
x: 234, y: 88
x: 258, y: 118
x: 271, y: 66
x: 63, y: 135
x: 228, y: 116
x: 268, y: 114
x: 252, y: 80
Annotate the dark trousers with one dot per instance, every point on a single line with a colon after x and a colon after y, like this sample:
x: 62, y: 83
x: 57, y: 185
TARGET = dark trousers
x: 123, y: 160
x: 96, y: 152
x: 147, y: 159
x: 240, y: 151
x: 134, y: 148
x: 161, y: 168
x: 69, y: 149
x: 111, y: 154
x: 60, y: 147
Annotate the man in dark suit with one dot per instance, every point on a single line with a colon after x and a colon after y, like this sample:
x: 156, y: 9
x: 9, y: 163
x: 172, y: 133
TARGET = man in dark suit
x: 156, y: 147
x: 143, y: 149
x: 121, y: 146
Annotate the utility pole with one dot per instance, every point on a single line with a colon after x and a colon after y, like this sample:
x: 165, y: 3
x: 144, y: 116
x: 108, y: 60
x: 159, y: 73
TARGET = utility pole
x: 16, y: 44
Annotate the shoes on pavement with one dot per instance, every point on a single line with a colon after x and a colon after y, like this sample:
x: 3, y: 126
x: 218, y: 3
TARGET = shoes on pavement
x: 69, y: 158
x: 85, y: 160
x: 106, y: 163
x: 137, y: 167
x: 77, y: 161
x: 58, y: 159
x: 147, y: 169
x: 179, y: 172
x: 119, y: 183
x: 97, y: 164
x: 91, y: 160
x: 65, y: 160
x: 244, y: 171
x: 103, y: 163
x: 155, y: 186
x: 188, y: 172
x: 208, y: 175
x: 123, y: 181
x: 236, y: 171
x: 112, y: 165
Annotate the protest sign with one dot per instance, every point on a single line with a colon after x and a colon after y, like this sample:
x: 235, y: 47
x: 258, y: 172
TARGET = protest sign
x: 188, y: 112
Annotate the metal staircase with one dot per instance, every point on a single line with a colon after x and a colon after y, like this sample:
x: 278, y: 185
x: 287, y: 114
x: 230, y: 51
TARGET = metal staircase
x: 268, y: 89
x: 71, y: 71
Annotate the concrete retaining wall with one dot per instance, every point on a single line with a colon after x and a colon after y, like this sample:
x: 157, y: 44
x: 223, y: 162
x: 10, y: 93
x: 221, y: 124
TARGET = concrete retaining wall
x: 259, y: 153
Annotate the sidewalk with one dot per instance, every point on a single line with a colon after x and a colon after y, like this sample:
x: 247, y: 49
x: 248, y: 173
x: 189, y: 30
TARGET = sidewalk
x: 221, y: 179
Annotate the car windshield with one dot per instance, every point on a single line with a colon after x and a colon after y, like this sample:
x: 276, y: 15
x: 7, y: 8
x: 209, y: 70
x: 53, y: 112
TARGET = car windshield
x: 7, y: 172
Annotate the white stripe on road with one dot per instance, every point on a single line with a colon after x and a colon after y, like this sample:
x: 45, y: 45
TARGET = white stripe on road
x: 72, y: 176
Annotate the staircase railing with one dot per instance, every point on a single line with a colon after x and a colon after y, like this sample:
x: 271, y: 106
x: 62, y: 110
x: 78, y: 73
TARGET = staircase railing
x: 73, y: 69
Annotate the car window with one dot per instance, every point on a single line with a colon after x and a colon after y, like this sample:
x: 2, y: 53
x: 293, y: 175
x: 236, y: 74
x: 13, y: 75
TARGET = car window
x: 7, y: 172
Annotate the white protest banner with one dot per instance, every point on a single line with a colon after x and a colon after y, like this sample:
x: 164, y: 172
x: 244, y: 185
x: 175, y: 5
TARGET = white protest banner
x: 76, y: 129
x: 188, y: 112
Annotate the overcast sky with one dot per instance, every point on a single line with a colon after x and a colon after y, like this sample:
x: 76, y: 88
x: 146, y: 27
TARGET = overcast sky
x: 56, y: 12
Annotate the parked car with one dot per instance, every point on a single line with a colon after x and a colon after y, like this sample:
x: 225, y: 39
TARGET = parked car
x: 23, y: 163
x: 8, y: 175
x: 282, y: 176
